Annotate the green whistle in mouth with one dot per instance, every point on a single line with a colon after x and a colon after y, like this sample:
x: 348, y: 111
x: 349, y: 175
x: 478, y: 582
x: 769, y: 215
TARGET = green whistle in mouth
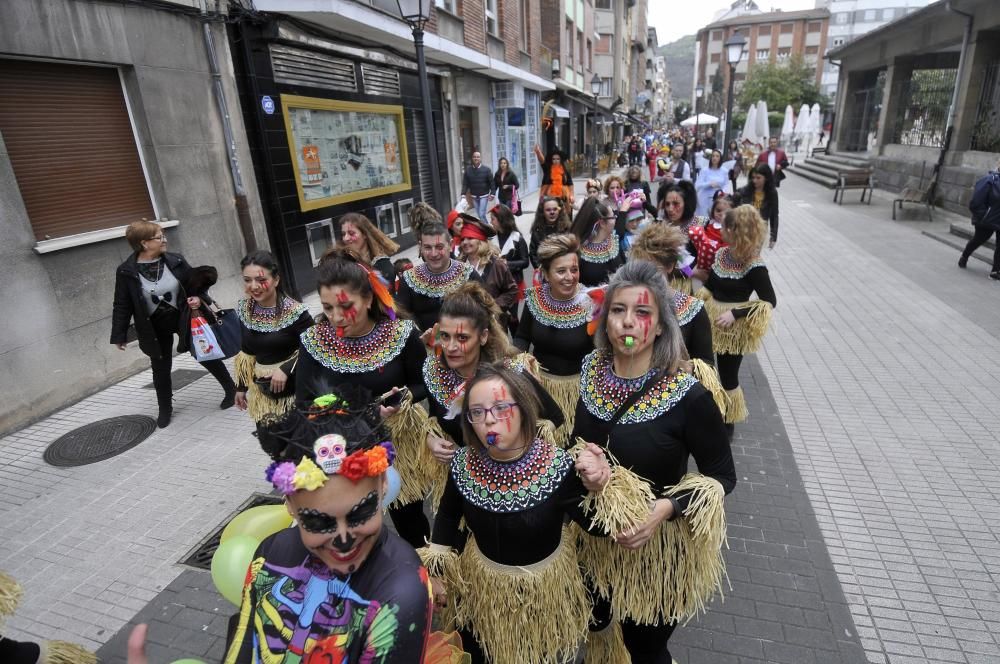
x: 629, y: 342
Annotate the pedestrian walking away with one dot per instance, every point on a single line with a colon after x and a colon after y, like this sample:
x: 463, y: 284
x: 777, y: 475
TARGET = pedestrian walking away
x: 158, y: 290
x: 478, y: 185
x: 985, y: 208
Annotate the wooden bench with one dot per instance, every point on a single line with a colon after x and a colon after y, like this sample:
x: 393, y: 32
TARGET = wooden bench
x: 818, y: 151
x: 854, y: 179
x: 917, y: 192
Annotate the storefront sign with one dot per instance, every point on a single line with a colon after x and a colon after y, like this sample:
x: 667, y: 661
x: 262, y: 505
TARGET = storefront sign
x: 267, y: 104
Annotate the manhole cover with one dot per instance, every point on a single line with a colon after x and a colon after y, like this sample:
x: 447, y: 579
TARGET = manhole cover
x: 99, y: 440
x: 181, y: 378
x: 201, y: 556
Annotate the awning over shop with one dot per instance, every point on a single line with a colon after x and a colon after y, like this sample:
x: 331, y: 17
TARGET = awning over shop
x: 560, y: 111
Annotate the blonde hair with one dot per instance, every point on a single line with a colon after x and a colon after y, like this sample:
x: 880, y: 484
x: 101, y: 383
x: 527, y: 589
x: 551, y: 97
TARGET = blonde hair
x: 486, y: 250
x: 613, y: 178
x: 746, y: 232
x: 377, y: 243
x: 140, y: 231
x: 660, y: 244
x: 556, y: 246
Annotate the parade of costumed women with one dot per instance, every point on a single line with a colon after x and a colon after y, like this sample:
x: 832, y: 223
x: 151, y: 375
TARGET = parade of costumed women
x: 271, y: 323
x: 600, y: 245
x: 739, y: 323
x: 362, y: 340
x: 639, y: 399
x: 557, y: 324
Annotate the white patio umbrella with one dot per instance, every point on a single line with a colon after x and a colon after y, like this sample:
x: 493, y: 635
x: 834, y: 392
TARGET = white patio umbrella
x: 788, y: 127
x: 802, y: 131
x: 763, y: 125
x: 815, y: 120
x: 750, y: 125
x: 700, y: 119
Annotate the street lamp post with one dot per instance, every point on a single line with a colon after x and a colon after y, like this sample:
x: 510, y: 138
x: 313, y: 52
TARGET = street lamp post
x: 734, y: 53
x: 698, y: 92
x: 416, y: 13
x: 595, y: 87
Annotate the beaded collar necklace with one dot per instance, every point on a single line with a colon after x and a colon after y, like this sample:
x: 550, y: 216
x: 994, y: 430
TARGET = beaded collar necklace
x: 686, y: 307
x: 602, y: 392
x: 421, y: 280
x: 562, y: 314
x: 510, y: 486
x: 266, y: 319
x: 727, y: 267
x: 354, y: 355
x: 600, y: 252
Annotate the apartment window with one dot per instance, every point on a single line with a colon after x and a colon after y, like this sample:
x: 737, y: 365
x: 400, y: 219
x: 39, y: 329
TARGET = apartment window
x: 582, y: 46
x: 871, y: 14
x: 716, y: 35
x: 738, y: 78
x: 590, y: 54
x: 815, y: 26
x: 787, y: 28
x: 843, y: 17
x: 784, y: 53
x: 569, y: 44
x: 492, y: 23
x: 763, y: 31
x: 525, y: 30
x: 72, y: 147
x: 714, y: 58
x: 602, y: 4
x: 605, y: 88
x: 447, y: 5
x: 838, y: 41
x: 604, y: 44
x: 812, y: 50
x: 763, y: 53
x: 888, y: 14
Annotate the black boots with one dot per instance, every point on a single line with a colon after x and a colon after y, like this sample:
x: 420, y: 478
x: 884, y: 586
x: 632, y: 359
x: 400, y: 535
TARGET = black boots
x: 164, y: 394
x: 163, y: 419
x: 963, y: 261
x: 229, y: 399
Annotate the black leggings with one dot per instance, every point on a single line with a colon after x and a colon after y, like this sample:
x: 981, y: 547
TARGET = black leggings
x: 411, y: 523
x: 729, y: 370
x: 979, y: 238
x: 165, y: 321
x: 646, y: 644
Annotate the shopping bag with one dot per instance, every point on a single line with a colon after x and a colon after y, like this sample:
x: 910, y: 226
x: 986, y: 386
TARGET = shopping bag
x: 204, y: 345
x: 515, y: 203
x: 228, y: 331
x: 462, y: 205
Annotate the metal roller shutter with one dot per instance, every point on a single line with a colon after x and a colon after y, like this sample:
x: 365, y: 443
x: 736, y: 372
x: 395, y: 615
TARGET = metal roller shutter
x: 70, y: 141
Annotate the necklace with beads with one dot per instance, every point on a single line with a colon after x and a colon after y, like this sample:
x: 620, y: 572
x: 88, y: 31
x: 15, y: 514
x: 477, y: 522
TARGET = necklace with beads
x: 686, y: 307
x: 600, y: 252
x: 603, y: 392
x: 369, y: 352
x: 421, y: 280
x: 267, y: 319
x: 561, y: 314
x: 510, y: 486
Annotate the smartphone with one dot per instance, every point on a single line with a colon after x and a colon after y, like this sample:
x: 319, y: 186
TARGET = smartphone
x: 395, y: 399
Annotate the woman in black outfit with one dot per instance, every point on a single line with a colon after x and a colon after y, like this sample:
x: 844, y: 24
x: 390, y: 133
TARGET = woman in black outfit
x: 761, y: 193
x: 513, y: 250
x: 733, y: 152
x: 551, y: 217
x: 505, y: 182
x: 154, y: 288
x: 271, y: 323
x: 600, y: 246
x: 639, y: 398
x: 374, y: 247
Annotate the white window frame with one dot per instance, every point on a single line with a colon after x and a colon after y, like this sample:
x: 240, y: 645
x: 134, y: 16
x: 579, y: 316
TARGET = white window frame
x: 403, y: 218
x: 492, y: 11
x: 316, y: 225
x: 763, y: 54
x: 447, y: 5
x: 391, y: 209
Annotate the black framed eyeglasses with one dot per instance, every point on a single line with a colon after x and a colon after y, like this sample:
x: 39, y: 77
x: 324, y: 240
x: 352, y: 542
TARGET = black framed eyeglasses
x: 500, y: 411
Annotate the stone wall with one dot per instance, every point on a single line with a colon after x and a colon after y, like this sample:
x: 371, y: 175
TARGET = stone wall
x: 960, y: 172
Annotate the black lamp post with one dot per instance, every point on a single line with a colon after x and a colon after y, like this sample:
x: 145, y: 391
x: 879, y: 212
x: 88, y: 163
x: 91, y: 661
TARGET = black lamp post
x: 595, y: 88
x: 734, y: 53
x: 416, y: 13
x: 698, y: 92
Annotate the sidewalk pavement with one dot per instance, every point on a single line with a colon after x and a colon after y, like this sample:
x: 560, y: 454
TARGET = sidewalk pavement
x: 871, y: 524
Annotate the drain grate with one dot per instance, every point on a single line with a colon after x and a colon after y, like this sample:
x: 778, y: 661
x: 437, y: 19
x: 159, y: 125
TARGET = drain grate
x: 201, y: 556
x: 98, y: 441
x: 181, y: 378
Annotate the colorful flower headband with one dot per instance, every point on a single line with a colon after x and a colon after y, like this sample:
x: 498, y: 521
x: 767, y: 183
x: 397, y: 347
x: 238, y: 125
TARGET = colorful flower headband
x: 331, y: 459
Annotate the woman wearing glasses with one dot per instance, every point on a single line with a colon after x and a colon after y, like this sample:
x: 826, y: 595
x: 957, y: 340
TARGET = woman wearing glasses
x: 516, y: 591
x: 638, y: 396
x: 155, y: 289
x: 600, y: 246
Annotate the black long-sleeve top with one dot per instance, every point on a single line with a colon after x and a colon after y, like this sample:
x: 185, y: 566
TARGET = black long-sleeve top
x: 478, y: 181
x: 501, y: 182
x: 768, y: 208
x: 509, y: 528
x: 271, y: 335
x: 696, y: 328
x: 654, y: 439
x: 730, y: 281
x: 383, y: 609
x: 555, y: 331
x: 421, y: 291
x: 389, y: 356
x: 514, y: 250
x: 597, y: 264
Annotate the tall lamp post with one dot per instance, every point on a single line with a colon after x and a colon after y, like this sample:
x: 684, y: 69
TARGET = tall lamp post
x: 734, y: 53
x: 699, y: 91
x: 416, y: 13
x: 595, y: 88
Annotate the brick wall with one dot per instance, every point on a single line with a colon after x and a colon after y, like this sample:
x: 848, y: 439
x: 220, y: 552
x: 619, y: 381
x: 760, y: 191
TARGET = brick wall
x: 474, y: 13
x: 551, y: 22
x: 510, y: 30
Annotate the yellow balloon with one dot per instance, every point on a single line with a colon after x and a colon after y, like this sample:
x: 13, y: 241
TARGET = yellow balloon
x: 230, y: 564
x: 258, y: 522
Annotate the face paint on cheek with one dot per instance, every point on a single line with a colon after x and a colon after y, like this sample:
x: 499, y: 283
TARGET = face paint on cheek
x: 645, y: 329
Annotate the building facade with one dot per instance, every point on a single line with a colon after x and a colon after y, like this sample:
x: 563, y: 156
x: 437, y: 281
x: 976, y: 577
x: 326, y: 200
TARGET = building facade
x: 849, y: 19
x: 112, y: 115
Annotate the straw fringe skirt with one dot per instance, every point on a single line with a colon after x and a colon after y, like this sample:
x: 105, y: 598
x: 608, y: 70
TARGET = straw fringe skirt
x: 566, y: 392
x: 51, y: 652
x: 746, y: 334
x: 533, y: 613
x: 708, y: 376
x: 418, y: 470
x: 607, y: 646
x: 259, y: 405
x: 674, y: 575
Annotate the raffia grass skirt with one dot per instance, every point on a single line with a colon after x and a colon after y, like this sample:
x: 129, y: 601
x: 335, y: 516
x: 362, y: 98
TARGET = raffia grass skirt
x: 51, y: 652
x: 607, y: 646
x: 708, y: 376
x: 746, y: 334
x: 534, y: 613
x: 566, y: 392
x: 259, y: 405
x: 676, y: 573
x: 419, y: 471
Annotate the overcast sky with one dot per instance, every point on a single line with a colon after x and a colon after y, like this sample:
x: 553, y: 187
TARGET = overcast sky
x: 675, y: 18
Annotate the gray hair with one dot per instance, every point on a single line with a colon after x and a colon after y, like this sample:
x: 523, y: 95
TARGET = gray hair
x: 668, y: 348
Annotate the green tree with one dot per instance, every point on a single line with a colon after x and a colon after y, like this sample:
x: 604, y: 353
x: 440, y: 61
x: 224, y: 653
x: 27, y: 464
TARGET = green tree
x: 682, y: 111
x: 781, y: 84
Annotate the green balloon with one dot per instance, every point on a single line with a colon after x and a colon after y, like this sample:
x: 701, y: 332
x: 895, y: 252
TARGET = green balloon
x: 230, y: 564
x: 258, y: 522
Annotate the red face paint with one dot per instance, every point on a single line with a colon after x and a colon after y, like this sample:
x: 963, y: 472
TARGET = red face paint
x: 643, y: 297
x: 645, y: 329
x: 503, y: 392
x: 340, y: 331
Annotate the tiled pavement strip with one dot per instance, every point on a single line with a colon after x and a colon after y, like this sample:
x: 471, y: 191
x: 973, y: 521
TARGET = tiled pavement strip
x: 894, y: 455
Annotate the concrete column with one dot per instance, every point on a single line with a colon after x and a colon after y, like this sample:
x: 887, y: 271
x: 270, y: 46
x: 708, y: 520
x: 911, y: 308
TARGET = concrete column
x: 840, y: 107
x: 888, y: 109
x: 983, y: 50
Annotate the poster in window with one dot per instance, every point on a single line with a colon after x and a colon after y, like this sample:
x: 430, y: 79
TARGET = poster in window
x: 345, y: 151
